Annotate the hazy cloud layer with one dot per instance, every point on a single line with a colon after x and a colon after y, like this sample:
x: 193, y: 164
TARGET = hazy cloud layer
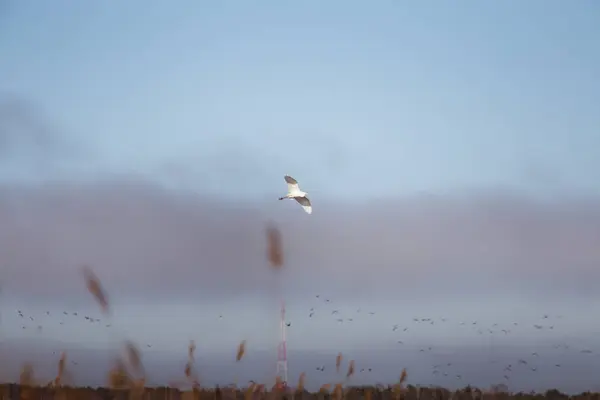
x: 147, y: 241
x: 157, y: 244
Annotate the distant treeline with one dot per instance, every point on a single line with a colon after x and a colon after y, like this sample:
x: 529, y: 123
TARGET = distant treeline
x: 16, y: 391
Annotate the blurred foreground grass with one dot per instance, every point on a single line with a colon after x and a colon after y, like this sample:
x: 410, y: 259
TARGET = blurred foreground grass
x: 259, y: 392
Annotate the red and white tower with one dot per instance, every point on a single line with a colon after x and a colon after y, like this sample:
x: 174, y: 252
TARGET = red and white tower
x: 282, y: 371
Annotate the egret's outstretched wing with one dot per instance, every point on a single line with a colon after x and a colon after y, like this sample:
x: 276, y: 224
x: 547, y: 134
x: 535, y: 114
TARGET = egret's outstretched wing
x: 290, y: 180
x: 292, y: 184
x: 305, y: 203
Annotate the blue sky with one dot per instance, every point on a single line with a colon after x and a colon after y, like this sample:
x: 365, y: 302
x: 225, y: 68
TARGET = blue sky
x: 448, y: 97
x: 391, y: 100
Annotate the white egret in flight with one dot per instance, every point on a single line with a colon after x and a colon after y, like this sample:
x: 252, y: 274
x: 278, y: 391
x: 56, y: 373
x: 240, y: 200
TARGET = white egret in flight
x: 295, y: 193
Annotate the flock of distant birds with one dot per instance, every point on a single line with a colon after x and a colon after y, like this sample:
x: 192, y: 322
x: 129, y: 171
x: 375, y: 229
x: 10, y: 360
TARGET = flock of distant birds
x: 437, y: 369
x: 40, y: 327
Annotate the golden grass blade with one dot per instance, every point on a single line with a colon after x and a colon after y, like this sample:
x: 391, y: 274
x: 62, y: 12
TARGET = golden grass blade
x: 350, y: 369
x: 138, y: 389
x: 338, y: 391
x: 301, y: 382
x: 274, y: 247
x: 62, y: 363
x: 398, y: 389
x: 188, y: 370
x: 134, y: 356
x: 403, y: 376
x: 249, y: 392
x: 325, y: 388
x: 118, y: 377
x: 95, y: 288
x: 241, y: 350
x: 191, y: 350
x: 338, y: 362
x: 26, y: 377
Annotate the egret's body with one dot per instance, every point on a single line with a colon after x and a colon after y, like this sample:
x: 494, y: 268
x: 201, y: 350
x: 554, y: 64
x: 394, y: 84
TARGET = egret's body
x: 295, y: 193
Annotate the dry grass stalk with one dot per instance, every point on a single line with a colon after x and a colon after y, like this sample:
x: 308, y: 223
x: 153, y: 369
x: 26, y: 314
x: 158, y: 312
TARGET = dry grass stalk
x: 249, y: 391
x: 338, y: 391
x: 274, y: 247
x: 241, y: 350
x: 403, y: 376
x: 26, y: 377
x: 118, y: 378
x: 191, y: 376
x: 137, y: 389
x: 27, y: 381
x: 301, y: 382
x: 324, y: 389
x: 338, y: 362
x: 95, y: 288
x: 350, y: 369
x: 398, y: 388
x: 62, y: 364
x: 134, y: 357
x: 191, y: 350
